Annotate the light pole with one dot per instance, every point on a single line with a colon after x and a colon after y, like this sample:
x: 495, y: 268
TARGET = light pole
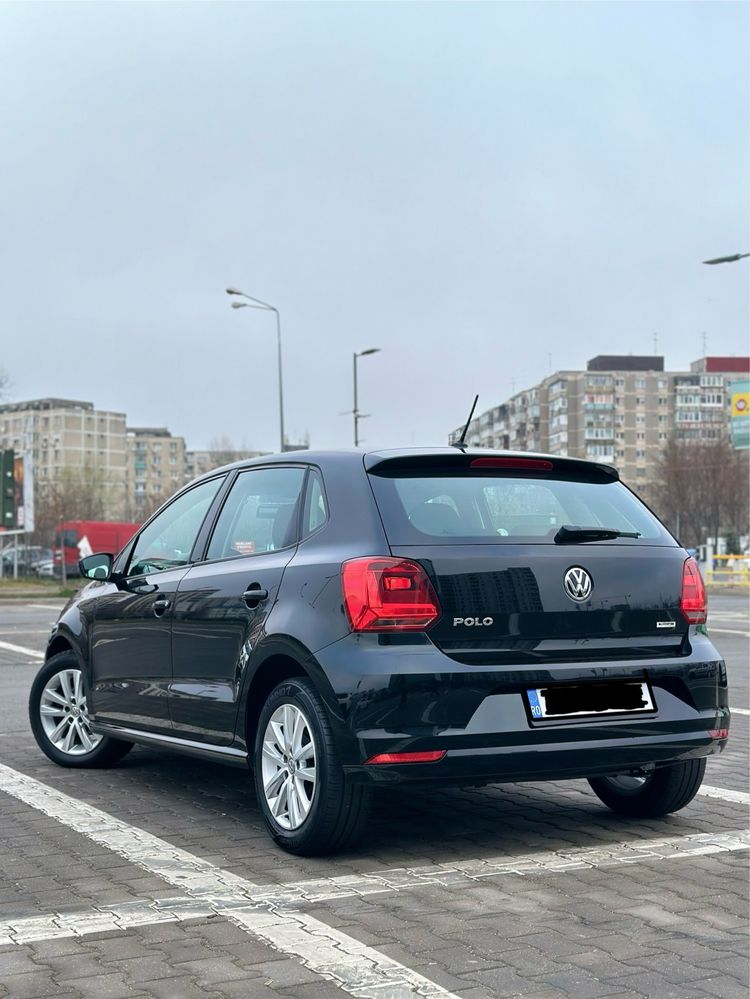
x: 355, y: 411
x: 255, y: 303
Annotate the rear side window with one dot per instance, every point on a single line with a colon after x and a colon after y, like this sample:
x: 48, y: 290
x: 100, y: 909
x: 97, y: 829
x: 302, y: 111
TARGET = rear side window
x: 260, y: 514
x: 481, y: 508
x: 316, y: 510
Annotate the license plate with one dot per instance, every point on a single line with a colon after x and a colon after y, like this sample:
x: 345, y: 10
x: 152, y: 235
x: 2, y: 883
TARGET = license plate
x: 591, y: 699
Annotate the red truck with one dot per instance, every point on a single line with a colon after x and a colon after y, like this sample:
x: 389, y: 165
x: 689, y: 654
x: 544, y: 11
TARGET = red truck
x: 84, y: 537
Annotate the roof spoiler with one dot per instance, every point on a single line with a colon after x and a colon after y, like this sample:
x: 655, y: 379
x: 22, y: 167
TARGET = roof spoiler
x: 437, y: 462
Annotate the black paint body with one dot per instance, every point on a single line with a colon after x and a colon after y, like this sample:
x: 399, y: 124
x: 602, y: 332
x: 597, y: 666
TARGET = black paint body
x: 194, y: 677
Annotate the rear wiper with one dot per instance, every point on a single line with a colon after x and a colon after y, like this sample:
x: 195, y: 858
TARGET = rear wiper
x: 569, y: 535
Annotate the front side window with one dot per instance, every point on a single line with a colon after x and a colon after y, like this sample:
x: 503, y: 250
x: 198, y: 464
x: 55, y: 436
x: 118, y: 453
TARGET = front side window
x: 260, y: 513
x: 167, y: 541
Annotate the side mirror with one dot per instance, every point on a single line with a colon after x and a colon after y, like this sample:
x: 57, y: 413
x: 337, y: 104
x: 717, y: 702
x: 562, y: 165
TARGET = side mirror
x: 96, y: 566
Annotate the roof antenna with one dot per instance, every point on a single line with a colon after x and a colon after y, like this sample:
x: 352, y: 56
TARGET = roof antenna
x: 461, y: 442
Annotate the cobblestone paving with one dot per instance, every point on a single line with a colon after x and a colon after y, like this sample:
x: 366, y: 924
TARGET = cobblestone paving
x: 655, y: 926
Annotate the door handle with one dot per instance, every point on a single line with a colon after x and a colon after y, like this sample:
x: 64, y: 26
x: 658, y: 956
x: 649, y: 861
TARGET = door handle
x: 161, y: 605
x: 254, y: 594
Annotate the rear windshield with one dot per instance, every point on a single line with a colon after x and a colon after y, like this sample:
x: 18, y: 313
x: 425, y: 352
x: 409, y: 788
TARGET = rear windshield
x: 473, y: 508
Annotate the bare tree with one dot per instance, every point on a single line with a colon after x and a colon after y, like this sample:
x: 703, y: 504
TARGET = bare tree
x: 701, y: 490
x: 5, y: 384
x: 77, y: 493
x: 151, y: 504
x: 223, y: 450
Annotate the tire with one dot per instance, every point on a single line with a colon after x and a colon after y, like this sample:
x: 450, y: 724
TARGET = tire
x: 60, y: 680
x: 324, y: 813
x: 666, y: 790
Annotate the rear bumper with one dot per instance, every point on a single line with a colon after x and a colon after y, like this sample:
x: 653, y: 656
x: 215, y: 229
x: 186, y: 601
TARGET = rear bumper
x: 412, y: 698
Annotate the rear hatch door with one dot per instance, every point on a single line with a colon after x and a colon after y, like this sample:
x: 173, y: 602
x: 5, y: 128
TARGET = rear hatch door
x: 513, y: 587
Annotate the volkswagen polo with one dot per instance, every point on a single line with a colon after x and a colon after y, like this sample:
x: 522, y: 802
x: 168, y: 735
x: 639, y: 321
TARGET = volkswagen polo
x: 338, y: 621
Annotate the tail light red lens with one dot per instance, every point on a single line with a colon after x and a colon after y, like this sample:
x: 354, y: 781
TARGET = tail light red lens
x: 388, y: 594
x: 430, y: 756
x: 693, y: 602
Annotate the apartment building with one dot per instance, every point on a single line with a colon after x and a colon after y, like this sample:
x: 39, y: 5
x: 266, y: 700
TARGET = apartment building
x: 69, y: 433
x: 621, y: 410
x: 156, y: 469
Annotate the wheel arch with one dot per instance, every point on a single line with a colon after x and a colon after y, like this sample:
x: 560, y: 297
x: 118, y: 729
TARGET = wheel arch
x: 282, y: 661
x: 273, y: 671
x: 57, y: 645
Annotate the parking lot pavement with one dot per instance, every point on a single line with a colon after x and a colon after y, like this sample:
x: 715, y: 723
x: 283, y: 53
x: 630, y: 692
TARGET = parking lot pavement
x: 155, y: 878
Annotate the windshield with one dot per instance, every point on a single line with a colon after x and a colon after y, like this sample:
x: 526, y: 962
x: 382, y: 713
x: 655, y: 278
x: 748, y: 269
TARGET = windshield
x: 481, y: 508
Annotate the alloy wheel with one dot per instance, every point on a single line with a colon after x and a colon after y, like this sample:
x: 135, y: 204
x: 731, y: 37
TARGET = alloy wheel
x: 64, y: 715
x: 289, y: 766
x: 627, y: 783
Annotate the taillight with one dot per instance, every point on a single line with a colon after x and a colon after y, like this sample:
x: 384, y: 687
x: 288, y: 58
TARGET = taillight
x: 693, y: 600
x: 388, y: 594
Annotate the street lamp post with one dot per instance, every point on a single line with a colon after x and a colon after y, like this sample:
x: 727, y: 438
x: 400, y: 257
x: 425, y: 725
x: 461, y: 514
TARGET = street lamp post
x: 255, y: 303
x: 355, y: 412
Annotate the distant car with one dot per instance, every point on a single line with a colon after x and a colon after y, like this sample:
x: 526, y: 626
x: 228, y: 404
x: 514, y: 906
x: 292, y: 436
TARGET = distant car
x: 340, y: 621
x: 26, y: 559
x: 45, y: 568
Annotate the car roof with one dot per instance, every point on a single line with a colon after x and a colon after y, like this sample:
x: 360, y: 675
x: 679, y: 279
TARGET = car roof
x: 371, y: 459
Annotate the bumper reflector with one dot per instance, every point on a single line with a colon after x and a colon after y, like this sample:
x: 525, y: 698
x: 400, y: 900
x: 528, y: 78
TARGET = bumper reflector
x: 719, y: 733
x: 432, y: 756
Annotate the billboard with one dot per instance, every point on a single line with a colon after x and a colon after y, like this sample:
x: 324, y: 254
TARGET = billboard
x: 24, y: 492
x: 739, y: 394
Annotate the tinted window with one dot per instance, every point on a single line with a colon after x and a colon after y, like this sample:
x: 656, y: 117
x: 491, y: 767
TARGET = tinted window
x: 474, y: 508
x: 168, y: 540
x: 316, y: 511
x: 260, y: 513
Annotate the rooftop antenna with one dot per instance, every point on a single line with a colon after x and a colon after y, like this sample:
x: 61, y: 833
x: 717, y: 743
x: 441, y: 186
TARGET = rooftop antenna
x: 704, y: 338
x: 656, y: 342
x: 461, y: 442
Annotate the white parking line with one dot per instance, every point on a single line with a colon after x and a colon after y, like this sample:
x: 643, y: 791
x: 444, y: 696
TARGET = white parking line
x: 731, y: 631
x: 20, y: 630
x: 102, y: 919
x: 740, y: 711
x: 725, y: 794
x: 356, y: 968
x: 271, y: 912
x: 22, y: 649
x: 252, y: 908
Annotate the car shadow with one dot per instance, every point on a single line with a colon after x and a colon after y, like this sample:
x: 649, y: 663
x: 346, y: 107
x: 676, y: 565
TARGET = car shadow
x: 413, y: 825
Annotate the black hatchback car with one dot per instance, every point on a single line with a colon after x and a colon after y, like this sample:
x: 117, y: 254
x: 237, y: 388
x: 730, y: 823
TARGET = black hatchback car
x: 342, y: 620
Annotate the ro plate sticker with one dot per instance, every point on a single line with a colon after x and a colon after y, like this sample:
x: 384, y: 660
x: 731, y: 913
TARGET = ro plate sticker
x: 536, y: 707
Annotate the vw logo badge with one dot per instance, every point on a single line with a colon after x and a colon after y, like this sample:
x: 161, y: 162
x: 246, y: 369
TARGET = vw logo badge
x: 578, y: 584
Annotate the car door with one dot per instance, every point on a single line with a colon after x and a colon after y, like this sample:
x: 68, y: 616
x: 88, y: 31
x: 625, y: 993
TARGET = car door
x: 222, y: 604
x: 131, y: 634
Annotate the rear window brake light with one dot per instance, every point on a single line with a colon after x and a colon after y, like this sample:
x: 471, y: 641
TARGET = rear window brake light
x: 527, y: 464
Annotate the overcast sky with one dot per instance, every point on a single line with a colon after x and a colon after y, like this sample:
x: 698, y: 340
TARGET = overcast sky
x: 470, y: 187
